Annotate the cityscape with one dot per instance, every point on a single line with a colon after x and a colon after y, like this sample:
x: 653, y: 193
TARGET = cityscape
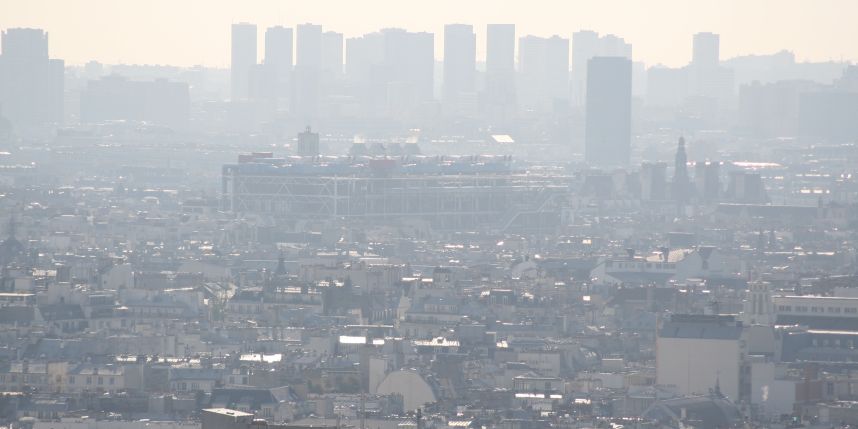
x: 471, y: 227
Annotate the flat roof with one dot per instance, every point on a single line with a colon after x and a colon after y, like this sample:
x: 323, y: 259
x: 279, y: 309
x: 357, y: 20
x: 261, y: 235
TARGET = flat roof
x: 227, y: 412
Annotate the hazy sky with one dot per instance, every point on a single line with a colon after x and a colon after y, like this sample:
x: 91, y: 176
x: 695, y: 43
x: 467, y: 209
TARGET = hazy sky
x: 189, y: 32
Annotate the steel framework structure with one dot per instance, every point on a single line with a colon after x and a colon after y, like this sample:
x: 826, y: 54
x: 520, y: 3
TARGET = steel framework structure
x: 446, y: 201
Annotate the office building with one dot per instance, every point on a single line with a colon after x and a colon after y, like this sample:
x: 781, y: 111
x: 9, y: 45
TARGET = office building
x: 697, y: 354
x: 500, y: 93
x: 830, y: 114
x: 278, y: 60
x: 705, y: 51
x: 586, y: 45
x: 654, y: 181
x: 706, y: 77
x: 746, y: 187
x: 159, y: 102
x: 707, y: 180
x: 608, y: 112
x: 544, y: 72
x: 243, y: 59
x: 308, y: 143
x: 278, y: 47
x: 309, y: 46
x: 332, y: 54
x: 31, y: 84
x: 460, y: 50
x: 307, y: 80
x: 393, y: 70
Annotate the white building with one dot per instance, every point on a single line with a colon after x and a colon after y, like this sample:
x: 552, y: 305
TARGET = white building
x: 696, y: 353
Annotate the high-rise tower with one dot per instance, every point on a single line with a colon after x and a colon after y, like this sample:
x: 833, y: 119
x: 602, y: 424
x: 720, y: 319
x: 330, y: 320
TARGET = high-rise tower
x: 609, y: 111
x: 243, y: 59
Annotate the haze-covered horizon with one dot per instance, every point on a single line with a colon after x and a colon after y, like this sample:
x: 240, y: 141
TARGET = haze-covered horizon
x: 660, y: 30
x: 471, y: 214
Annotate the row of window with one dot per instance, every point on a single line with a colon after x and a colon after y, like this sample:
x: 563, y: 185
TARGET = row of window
x: 817, y: 309
x: 40, y: 379
x: 640, y: 265
x: 834, y: 343
x: 184, y: 386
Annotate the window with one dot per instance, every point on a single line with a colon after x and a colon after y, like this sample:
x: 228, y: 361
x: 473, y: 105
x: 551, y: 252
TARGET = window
x: 112, y: 381
x: 88, y: 381
x: 100, y: 381
x: 71, y: 379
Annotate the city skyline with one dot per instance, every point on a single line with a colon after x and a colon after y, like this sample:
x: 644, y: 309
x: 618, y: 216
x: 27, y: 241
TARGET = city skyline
x: 379, y: 214
x: 77, y: 29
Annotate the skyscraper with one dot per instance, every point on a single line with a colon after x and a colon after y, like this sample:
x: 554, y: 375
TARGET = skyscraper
x: 609, y: 104
x: 332, y: 53
x: 586, y: 45
x: 309, y: 46
x: 308, y: 67
x: 544, y: 69
x: 407, y: 71
x: 500, y: 93
x: 393, y: 69
x: 500, y: 51
x: 278, y: 60
x: 278, y: 47
x: 31, y: 84
x: 362, y: 54
x: 706, y: 77
x: 460, y: 56
x: 243, y: 59
x: 706, y: 50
